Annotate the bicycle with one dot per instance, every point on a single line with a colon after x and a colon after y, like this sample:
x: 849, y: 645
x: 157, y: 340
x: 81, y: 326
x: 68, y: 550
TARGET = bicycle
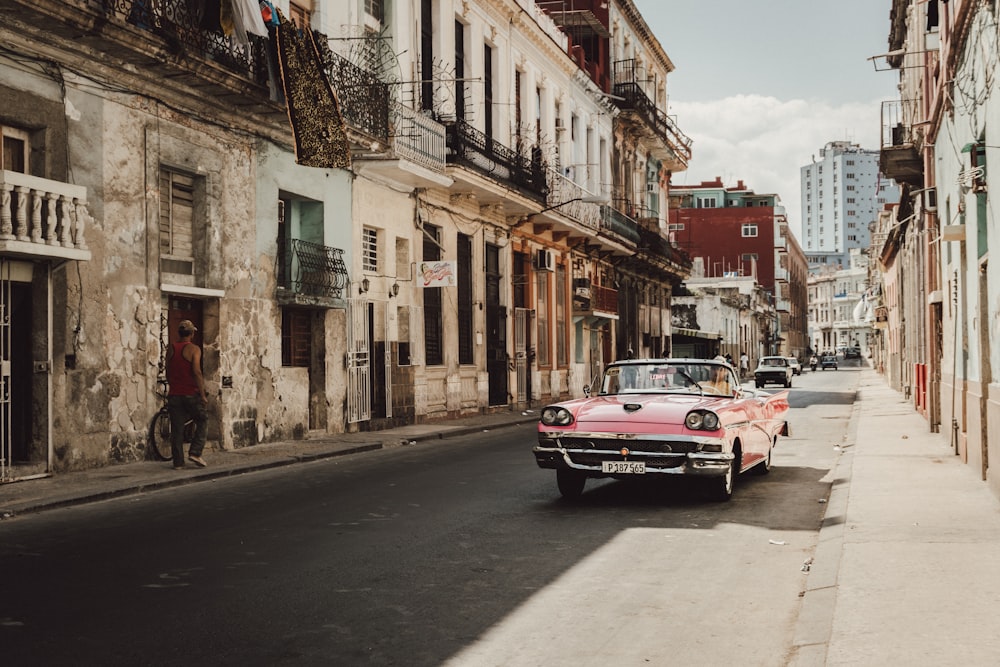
x: 158, y: 436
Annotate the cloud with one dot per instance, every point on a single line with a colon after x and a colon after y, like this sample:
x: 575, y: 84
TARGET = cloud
x: 764, y: 141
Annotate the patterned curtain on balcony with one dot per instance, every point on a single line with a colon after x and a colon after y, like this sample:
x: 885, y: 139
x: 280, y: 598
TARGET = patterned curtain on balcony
x: 313, y: 111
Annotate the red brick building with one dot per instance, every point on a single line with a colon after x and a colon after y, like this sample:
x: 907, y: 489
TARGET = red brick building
x: 733, y: 232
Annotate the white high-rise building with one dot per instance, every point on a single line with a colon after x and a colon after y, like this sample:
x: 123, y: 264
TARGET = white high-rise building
x: 842, y: 193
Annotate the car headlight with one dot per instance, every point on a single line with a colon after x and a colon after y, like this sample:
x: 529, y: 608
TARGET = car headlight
x: 702, y: 420
x: 556, y: 416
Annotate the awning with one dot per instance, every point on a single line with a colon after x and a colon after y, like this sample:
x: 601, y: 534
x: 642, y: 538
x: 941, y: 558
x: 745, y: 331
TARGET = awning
x: 696, y: 333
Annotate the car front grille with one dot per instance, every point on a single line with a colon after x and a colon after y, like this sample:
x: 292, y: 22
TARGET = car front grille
x: 644, y: 446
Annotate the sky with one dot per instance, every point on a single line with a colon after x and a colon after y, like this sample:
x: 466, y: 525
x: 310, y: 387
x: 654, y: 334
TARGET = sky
x: 760, y: 86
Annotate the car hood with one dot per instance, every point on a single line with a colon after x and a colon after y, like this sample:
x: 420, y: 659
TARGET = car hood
x: 640, y: 408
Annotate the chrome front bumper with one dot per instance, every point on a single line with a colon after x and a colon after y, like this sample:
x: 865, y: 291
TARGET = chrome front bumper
x: 549, y: 453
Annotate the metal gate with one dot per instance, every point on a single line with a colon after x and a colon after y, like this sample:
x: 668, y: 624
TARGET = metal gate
x: 359, y: 404
x: 6, y: 436
x: 522, y: 346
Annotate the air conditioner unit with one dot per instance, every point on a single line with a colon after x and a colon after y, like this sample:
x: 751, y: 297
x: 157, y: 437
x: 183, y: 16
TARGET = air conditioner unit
x: 545, y: 260
x: 930, y: 200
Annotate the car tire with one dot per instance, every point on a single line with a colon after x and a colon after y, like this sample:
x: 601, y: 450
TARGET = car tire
x: 570, y: 483
x: 722, y: 487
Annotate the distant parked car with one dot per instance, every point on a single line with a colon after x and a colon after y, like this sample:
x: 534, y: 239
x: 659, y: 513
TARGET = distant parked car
x: 774, y: 370
x: 796, y: 366
x: 852, y: 353
x: 828, y: 361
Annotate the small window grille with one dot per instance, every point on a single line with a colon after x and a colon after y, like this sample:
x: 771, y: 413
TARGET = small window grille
x: 369, y: 250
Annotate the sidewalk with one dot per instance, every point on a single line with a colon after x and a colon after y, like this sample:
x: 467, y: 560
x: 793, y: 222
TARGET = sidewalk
x: 73, y: 488
x: 907, y: 568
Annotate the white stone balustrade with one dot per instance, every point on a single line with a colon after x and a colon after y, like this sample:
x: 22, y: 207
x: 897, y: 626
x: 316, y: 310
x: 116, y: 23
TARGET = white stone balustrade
x: 42, y: 218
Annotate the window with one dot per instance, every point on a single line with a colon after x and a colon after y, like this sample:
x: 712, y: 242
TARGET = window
x: 562, y: 350
x: 465, y: 346
x: 542, y: 317
x: 296, y: 337
x: 427, y: 55
x: 433, y: 325
x: 675, y: 227
x: 749, y: 257
x: 375, y: 9
x: 299, y: 13
x: 177, y: 195
x: 14, y: 150
x: 459, y: 70
x: 488, y: 91
x: 706, y: 202
x: 369, y: 250
x: 749, y: 229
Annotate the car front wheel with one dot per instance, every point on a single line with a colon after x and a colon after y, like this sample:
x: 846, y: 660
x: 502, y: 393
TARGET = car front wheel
x: 571, y: 483
x: 722, y: 487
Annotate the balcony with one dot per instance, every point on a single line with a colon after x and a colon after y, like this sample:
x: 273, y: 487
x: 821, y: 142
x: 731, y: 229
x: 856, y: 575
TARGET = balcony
x: 616, y: 224
x: 643, y: 114
x: 566, y: 195
x: 310, y: 274
x: 418, y: 155
x: 474, y: 150
x: 596, y: 302
x: 899, y: 157
x: 161, y: 41
x: 657, y: 250
x: 42, y: 219
x: 363, y: 98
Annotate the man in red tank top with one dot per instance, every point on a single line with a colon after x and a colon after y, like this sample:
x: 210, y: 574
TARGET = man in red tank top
x: 186, y: 399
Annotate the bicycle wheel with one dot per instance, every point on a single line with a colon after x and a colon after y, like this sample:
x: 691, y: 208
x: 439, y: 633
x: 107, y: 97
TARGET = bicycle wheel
x: 158, y: 439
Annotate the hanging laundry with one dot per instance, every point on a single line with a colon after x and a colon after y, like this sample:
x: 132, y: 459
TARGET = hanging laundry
x: 246, y: 20
x: 319, y: 132
x: 269, y: 14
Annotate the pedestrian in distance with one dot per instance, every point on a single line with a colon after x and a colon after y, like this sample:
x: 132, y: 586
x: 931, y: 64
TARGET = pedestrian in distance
x: 744, y: 366
x: 186, y: 398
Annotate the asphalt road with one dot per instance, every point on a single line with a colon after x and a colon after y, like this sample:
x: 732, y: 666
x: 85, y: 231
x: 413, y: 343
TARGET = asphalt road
x: 456, y: 552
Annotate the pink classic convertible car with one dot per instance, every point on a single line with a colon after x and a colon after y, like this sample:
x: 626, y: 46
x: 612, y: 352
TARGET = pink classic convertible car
x: 662, y: 417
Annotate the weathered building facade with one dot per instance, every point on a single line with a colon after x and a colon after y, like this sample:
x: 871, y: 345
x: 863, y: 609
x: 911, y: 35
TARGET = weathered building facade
x: 934, y: 247
x: 438, y: 232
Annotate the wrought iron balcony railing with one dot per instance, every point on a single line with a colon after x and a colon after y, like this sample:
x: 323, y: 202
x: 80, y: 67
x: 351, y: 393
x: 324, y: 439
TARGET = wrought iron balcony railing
x: 470, y: 147
x: 653, y: 243
x: 562, y: 189
x: 419, y: 139
x: 311, y: 269
x: 42, y: 218
x: 630, y: 95
x: 364, y: 99
x: 619, y: 224
x: 180, y: 24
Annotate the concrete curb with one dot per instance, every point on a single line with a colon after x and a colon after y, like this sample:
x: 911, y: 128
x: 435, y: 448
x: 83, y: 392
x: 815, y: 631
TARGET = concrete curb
x: 814, y: 627
x: 140, y: 484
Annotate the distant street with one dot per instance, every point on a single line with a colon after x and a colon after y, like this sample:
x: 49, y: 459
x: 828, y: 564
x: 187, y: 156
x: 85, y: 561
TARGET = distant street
x: 455, y: 552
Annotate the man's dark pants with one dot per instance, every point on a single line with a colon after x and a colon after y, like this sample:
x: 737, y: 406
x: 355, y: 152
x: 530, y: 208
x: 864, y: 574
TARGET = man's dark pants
x: 182, y: 409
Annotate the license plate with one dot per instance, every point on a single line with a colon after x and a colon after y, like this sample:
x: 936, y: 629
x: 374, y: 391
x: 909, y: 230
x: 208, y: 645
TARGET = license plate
x: 623, y: 467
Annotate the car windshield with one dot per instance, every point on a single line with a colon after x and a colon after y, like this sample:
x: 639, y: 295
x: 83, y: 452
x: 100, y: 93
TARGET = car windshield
x: 773, y: 361
x: 667, y: 377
